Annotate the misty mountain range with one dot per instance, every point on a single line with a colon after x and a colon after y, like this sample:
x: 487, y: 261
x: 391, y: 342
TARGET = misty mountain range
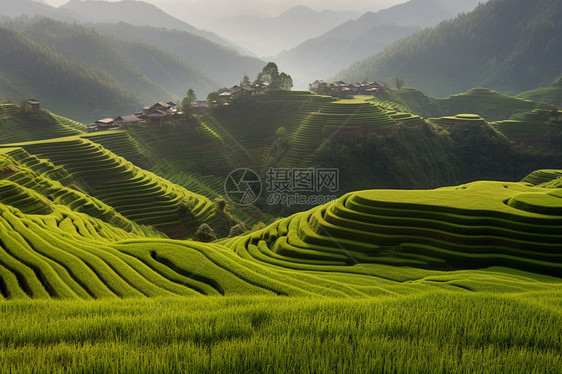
x: 143, y: 54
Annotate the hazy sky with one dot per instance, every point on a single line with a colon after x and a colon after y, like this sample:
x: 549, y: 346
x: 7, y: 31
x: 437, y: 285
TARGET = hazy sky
x: 201, y: 12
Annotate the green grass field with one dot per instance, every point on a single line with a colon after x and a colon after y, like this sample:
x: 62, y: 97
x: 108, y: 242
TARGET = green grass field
x: 425, y: 333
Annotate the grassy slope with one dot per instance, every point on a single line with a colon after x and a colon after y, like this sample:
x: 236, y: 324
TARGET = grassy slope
x: 51, y: 247
x: 524, y: 122
x: 137, y: 194
x: 548, y: 95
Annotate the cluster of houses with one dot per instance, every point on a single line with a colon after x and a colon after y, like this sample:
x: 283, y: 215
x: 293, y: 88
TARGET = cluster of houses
x: 236, y: 92
x: 166, y: 111
x: 155, y: 114
x: 343, y: 89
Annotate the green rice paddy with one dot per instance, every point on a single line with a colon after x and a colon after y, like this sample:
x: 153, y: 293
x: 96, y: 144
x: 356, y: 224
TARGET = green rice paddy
x: 457, y: 279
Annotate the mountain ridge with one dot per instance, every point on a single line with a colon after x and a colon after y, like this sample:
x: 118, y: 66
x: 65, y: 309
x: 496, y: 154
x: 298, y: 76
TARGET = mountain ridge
x: 360, y: 38
x: 460, y: 54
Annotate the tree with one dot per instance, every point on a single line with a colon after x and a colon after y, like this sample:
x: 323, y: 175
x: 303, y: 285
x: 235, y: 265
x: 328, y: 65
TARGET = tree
x: 319, y: 87
x: 245, y: 81
x: 213, y: 96
x: 285, y: 81
x: 270, y: 74
x: 191, y: 96
x: 400, y: 82
x: 205, y: 233
x: 188, y: 101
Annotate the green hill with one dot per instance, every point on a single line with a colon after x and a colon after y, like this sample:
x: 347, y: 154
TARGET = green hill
x: 71, y: 87
x: 51, y: 251
x: 137, y: 13
x: 152, y: 74
x: 491, y: 105
x: 88, y: 47
x: 17, y: 125
x: 223, y: 64
x: 506, y: 45
x: 531, y: 125
x: 360, y: 38
x: 295, y: 129
x: 548, y: 95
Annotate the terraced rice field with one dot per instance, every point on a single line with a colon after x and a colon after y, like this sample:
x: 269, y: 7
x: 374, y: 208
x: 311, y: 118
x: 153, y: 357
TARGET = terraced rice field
x: 118, y: 142
x: 16, y: 129
x: 530, y: 129
x: 356, y: 116
x: 543, y: 177
x: 136, y: 194
x: 365, y: 243
x: 457, y: 279
x: 182, y: 149
x: 252, y: 131
x: 477, y: 225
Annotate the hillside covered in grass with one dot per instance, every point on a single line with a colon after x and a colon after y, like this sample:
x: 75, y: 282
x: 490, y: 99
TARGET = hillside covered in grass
x: 548, y: 95
x: 68, y: 192
x: 399, y: 139
x: 58, y: 242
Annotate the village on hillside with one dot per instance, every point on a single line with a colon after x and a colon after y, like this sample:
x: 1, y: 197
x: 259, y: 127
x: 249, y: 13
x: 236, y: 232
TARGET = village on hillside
x: 167, y: 111
x: 346, y: 90
x: 155, y: 114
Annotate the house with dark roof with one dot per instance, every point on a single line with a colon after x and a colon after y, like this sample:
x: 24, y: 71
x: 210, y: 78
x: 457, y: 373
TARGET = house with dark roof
x: 34, y: 104
x: 102, y: 125
x: 127, y: 120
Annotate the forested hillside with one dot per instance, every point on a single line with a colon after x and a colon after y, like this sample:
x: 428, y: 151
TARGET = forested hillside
x: 507, y: 45
x: 223, y: 64
x: 151, y: 72
x: 132, y: 12
x: 29, y: 69
x: 360, y: 38
x: 139, y: 70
